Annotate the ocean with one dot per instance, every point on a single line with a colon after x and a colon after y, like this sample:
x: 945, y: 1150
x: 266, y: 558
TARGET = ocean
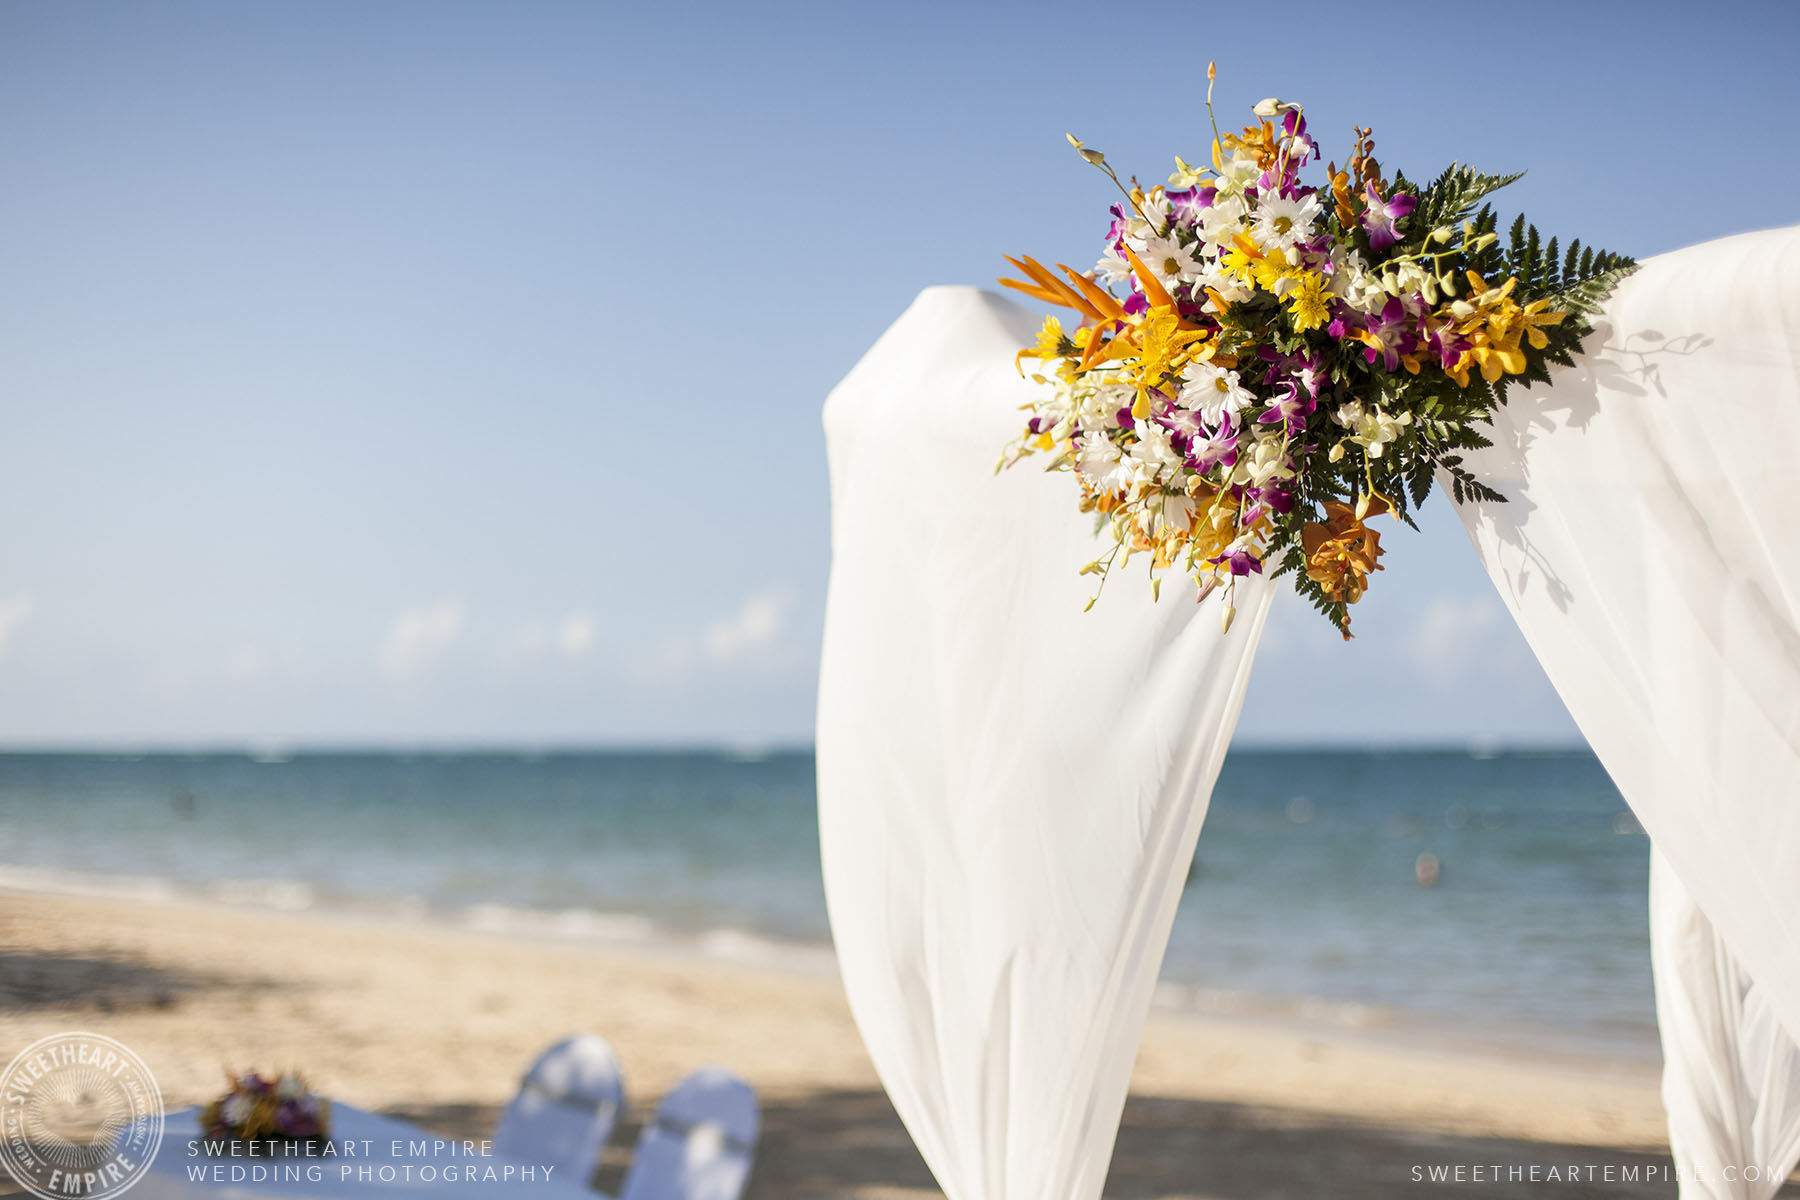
x: 1304, y: 901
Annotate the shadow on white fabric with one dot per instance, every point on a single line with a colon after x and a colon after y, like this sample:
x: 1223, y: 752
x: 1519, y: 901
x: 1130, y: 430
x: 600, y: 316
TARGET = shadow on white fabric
x: 1650, y: 553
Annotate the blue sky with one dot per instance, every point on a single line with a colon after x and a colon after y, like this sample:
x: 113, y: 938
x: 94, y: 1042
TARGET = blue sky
x: 435, y: 372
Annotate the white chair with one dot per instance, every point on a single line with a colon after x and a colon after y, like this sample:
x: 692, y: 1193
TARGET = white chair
x: 701, y: 1142
x: 565, y: 1109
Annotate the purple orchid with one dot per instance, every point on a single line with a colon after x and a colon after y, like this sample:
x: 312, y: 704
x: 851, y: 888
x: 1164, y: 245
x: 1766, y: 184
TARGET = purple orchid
x: 1295, y: 126
x: 1291, y: 408
x: 1444, y: 343
x: 1385, y: 336
x: 1209, y: 448
x: 1241, y: 562
x: 1115, y: 232
x: 1381, y: 218
x: 1183, y: 425
x: 1305, y: 370
x: 1278, y: 497
x: 1287, y: 183
x: 1186, y: 205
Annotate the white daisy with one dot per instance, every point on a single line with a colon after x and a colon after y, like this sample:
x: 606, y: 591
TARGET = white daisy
x: 1283, y: 222
x: 1170, y: 261
x: 1214, y: 393
x: 1112, y: 266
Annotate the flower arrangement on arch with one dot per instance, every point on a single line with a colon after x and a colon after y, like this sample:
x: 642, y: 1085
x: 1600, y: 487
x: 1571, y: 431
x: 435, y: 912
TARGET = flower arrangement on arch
x: 256, y: 1109
x: 1262, y: 366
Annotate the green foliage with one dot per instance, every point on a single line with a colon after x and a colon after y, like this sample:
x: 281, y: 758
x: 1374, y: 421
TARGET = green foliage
x: 1450, y: 199
x: 1582, y: 277
x: 1446, y: 417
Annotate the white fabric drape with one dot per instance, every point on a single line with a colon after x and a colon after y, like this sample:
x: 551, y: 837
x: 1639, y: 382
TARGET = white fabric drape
x: 1731, y: 1075
x: 1650, y: 552
x: 1010, y: 789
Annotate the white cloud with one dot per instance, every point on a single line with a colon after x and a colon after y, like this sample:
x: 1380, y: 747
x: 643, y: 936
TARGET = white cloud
x: 576, y: 634
x: 14, y: 612
x: 418, y: 635
x: 748, y: 636
x: 754, y: 628
x: 1453, y: 635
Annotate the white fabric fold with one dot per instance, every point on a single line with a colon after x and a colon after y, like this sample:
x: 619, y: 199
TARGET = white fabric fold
x: 1010, y: 789
x: 1650, y: 553
x: 1731, y: 1074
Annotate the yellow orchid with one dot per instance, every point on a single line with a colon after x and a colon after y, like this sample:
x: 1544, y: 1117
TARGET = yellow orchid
x: 1164, y: 345
x: 1534, y: 316
x: 1494, y: 324
x: 1216, y: 527
x: 1498, y: 359
x: 1341, y: 551
x: 1259, y: 140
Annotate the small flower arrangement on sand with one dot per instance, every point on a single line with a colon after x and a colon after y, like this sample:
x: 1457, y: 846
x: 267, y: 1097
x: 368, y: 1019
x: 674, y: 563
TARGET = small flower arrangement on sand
x: 1262, y: 366
x: 257, y: 1109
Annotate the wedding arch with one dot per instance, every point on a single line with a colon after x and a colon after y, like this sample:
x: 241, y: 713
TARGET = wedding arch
x: 1002, y: 883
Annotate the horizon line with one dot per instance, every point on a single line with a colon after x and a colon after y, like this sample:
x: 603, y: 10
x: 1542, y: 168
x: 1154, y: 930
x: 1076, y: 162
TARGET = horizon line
x: 273, y: 749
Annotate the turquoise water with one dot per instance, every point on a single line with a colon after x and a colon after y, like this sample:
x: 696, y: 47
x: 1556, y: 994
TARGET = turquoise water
x: 1303, y: 899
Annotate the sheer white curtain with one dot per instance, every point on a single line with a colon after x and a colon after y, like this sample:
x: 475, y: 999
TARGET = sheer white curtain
x: 1651, y: 554
x: 1010, y: 789
x: 1731, y: 1079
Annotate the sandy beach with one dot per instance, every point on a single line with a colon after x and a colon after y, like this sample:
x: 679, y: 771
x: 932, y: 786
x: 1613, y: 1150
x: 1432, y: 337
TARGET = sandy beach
x: 434, y: 1023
